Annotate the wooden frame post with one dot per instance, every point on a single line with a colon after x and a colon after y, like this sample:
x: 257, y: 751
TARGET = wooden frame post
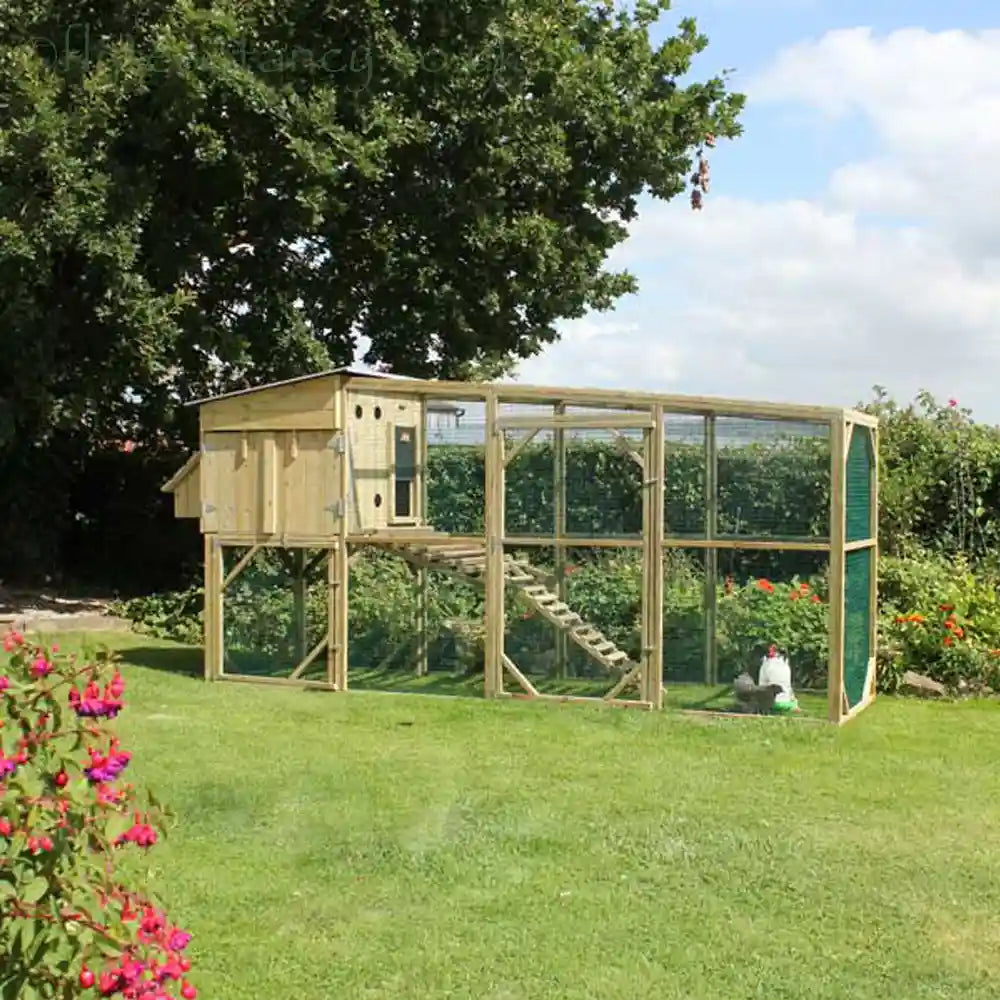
x: 422, y: 573
x: 651, y: 684
x: 873, y: 570
x: 711, y: 553
x: 338, y: 582
x: 338, y: 588
x: 559, y: 528
x: 839, y: 436
x: 494, y: 532
x: 213, y: 614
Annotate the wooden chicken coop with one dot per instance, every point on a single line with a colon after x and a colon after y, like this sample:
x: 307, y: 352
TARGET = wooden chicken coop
x: 319, y: 468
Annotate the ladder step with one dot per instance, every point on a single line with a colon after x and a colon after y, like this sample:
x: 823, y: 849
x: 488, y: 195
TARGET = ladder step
x: 565, y: 618
x: 558, y: 608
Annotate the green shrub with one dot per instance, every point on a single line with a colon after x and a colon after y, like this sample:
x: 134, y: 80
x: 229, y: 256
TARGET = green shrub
x: 941, y: 619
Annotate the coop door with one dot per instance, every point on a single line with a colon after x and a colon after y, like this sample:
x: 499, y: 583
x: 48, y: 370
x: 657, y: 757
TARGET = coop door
x: 404, y: 474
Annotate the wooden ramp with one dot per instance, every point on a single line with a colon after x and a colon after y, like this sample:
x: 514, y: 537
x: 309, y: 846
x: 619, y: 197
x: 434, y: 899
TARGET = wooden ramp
x: 469, y: 563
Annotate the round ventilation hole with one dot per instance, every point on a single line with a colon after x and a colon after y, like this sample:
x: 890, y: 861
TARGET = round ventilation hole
x: 378, y: 499
x: 358, y: 412
x: 377, y: 412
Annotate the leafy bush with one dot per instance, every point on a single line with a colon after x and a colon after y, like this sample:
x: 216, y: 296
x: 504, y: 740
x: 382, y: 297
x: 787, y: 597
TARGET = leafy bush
x: 939, y: 479
x: 939, y: 618
x: 69, y: 924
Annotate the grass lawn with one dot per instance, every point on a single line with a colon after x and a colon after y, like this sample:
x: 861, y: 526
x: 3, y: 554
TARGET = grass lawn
x: 377, y: 845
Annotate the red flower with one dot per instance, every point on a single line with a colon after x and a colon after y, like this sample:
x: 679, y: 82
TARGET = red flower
x: 766, y: 586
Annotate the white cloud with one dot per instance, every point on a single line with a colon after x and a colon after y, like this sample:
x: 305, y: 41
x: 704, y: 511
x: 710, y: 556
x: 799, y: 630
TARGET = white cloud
x: 891, y: 275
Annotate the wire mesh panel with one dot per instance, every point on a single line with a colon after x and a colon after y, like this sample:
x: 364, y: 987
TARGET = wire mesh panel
x: 857, y: 624
x: 604, y: 475
x: 456, y: 476
x: 530, y: 483
x: 573, y: 623
x: 858, y: 484
x: 413, y: 627
x: 274, y: 617
x: 684, y: 627
x: 858, y: 565
x: 773, y: 478
x: 686, y: 460
x: 714, y: 633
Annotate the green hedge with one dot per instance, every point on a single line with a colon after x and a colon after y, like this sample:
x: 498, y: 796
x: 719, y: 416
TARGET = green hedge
x: 767, y: 490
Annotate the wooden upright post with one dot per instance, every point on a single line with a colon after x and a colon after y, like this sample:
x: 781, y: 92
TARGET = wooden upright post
x: 423, y: 581
x: 494, y: 531
x: 213, y: 615
x: 839, y: 434
x: 338, y: 567
x: 873, y: 566
x: 337, y: 584
x: 652, y: 562
x: 559, y: 529
x: 712, y: 553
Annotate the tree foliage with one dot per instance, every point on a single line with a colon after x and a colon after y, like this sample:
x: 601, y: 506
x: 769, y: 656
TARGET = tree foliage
x: 196, y: 193
x: 195, y: 196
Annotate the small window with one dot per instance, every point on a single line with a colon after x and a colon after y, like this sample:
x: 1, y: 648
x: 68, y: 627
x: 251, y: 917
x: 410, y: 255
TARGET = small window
x: 378, y: 499
x: 377, y: 414
x: 359, y: 412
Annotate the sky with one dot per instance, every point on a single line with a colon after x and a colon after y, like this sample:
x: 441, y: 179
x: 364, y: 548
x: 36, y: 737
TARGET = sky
x: 851, y: 235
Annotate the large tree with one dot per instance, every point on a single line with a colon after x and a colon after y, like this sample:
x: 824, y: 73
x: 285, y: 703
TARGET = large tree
x: 194, y: 193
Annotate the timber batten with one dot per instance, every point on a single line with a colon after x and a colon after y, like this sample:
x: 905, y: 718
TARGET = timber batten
x: 337, y: 462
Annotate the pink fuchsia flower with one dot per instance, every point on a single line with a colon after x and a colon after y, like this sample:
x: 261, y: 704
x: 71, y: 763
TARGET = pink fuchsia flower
x: 179, y: 940
x: 41, y: 667
x: 106, y: 767
x: 95, y: 704
x: 953, y: 403
x: 4, y: 683
x: 12, y: 640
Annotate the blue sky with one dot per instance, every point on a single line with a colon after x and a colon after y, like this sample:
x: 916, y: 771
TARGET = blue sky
x: 850, y: 236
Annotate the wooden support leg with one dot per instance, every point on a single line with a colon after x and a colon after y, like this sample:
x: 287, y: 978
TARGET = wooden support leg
x: 337, y: 579
x: 494, y: 576
x: 559, y: 475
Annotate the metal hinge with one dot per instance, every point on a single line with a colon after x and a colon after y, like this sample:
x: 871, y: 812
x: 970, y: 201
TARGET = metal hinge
x: 337, y: 443
x: 209, y: 508
x: 338, y: 508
